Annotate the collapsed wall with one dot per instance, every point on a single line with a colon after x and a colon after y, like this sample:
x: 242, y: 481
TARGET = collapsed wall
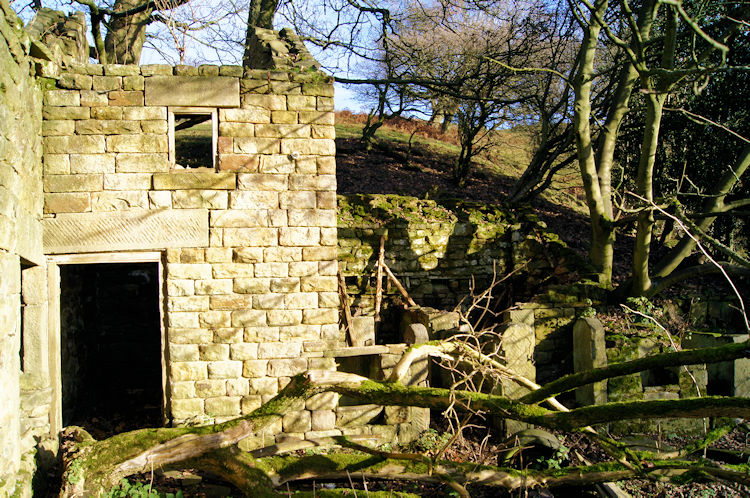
x: 441, y: 249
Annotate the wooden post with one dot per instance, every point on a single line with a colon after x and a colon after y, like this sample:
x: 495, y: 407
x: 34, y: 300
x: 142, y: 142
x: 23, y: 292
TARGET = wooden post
x: 379, y: 282
x: 400, y: 287
x: 344, y: 298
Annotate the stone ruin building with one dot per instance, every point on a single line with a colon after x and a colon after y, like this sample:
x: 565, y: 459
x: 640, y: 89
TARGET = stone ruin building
x: 170, y: 250
x: 141, y: 265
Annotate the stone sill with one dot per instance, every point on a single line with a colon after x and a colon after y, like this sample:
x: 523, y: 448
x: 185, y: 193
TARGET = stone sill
x: 367, y: 350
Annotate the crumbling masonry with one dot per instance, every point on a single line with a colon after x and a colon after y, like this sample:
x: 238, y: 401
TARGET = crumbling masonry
x: 244, y: 244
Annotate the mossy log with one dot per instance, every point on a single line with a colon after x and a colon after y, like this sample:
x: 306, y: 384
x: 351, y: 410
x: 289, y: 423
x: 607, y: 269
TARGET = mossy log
x: 717, y: 354
x: 91, y: 467
x: 283, y: 469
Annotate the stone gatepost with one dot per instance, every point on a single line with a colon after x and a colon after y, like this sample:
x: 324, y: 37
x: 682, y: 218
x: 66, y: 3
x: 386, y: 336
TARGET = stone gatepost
x: 589, y: 351
x: 731, y: 377
x: 517, y: 347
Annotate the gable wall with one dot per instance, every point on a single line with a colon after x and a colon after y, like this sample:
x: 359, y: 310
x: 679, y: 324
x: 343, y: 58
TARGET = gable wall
x: 249, y: 248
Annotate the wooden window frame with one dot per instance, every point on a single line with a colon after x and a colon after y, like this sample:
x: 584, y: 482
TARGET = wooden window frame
x: 208, y: 111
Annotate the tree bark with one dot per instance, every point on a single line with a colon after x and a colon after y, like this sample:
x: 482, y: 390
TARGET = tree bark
x: 602, y: 228
x: 93, y: 467
x: 645, y: 184
x: 714, y: 204
x: 717, y: 354
x: 126, y: 35
x: 262, y: 13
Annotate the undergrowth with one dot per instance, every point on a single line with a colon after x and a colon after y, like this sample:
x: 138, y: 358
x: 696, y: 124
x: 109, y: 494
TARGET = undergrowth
x: 126, y: 489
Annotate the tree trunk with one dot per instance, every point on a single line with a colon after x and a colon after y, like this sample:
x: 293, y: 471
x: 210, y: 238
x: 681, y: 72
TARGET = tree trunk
x: 126, y: 34
x: 370, y: 128
x: 93, y: 467
x: 463, y: 164
x: 717, y: 354
x: 645, y: 180
x: 602, y: 229
x: 714, y: 204
x: 261, y: 13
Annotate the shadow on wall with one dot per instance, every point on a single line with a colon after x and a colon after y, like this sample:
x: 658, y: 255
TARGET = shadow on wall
x: 439, y: 251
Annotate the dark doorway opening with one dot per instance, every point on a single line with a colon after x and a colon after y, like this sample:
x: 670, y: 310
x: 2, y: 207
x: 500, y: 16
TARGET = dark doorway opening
x: 110, y: 347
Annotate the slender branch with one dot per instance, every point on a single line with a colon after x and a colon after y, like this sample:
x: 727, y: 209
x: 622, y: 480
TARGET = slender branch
x: 438, y: 398
x: 671, y: 342
x: 704, y: 119
x: 712, y: 260
x: 677, y: 4
x: 445, y: 87
x: 695, y: 271
x: 528, y: 69
x: 372, y: 466
x: 135, y: 10
x: 701, y: 234
x: 709, y: 438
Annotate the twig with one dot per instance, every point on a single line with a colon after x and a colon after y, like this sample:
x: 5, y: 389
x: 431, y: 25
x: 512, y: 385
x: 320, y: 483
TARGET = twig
x: 400, y: 287
x: 698, y: 118
x: 671, y: 342
x: 351, y: 483
x: 708, y: 256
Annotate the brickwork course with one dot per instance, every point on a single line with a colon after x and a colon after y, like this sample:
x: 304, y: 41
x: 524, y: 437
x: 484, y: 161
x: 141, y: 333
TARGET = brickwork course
x: 248, y: 240
x: 255, y: 303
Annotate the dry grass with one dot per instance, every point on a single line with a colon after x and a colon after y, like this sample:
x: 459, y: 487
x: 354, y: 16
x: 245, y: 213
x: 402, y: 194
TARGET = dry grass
x: 418, y: 127
x: 507, y: 152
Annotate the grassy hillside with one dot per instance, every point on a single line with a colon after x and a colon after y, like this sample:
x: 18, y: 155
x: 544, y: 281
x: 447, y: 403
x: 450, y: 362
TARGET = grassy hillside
x: 433, y: 153
x: 410, y: 157
x: 413, y: 158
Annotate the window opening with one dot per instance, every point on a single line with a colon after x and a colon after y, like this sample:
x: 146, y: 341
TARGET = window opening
x: 25, y: 265
x: 193, y: 135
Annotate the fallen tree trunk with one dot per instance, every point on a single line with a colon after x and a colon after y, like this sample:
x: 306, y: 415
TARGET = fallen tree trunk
x: 384, y: 393
x: 279, y: 470
x: 569, y: 382
x: 92, y: 467
x: 336, y: 465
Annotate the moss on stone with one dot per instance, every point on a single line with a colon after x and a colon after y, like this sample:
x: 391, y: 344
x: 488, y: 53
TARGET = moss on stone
x: 389, y: 210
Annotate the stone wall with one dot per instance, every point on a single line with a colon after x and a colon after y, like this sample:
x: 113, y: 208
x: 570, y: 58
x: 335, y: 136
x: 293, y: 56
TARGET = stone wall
x: 269, y: 49
x: 63, y: 36
x: 552, y: 321
x: 24, y: 392
x: 661, y: 383
x: 250, y: 244
x: 438, y: 250
x: 632, y: 337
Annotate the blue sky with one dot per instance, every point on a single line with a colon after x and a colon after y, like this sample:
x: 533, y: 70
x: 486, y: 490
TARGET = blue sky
x: 346, y: 100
